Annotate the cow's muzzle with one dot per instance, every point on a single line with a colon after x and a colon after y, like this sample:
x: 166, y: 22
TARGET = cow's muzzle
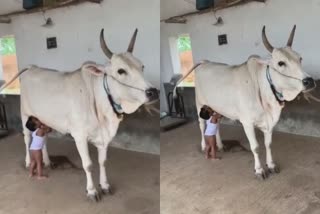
x: 152, y: 94
x: 308, y: 83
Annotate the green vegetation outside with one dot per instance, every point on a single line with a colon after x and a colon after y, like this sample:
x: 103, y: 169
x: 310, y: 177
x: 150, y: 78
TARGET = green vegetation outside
x: 184, y: 44
x: 7, y: 46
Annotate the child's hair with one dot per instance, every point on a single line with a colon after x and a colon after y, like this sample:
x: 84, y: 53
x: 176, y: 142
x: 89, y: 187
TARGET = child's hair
x: 205, y: 113
x: 30, y: 124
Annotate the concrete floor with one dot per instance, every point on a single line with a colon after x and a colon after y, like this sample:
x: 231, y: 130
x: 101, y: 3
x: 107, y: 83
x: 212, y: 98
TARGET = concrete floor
x: 192, y: 184
x: 134, y: 176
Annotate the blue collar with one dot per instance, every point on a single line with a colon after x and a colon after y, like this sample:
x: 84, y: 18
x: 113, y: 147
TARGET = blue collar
x: 279, y: 96
x: 117, y: 109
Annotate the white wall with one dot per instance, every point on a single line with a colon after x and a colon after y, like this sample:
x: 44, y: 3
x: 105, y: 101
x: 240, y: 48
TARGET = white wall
x: 5, y: 29
x: 77, y: 30
x: 243, y: 26
x: 8, y: 6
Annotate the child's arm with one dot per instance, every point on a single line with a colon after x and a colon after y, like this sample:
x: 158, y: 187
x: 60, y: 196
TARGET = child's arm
x: 217, y: 115
x: 47, y: 129
x: 215, y: 118
x: 40, y: 132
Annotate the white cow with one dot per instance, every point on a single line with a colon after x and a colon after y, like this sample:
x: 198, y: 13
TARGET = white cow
x: 253, y: 93
x: 88, y: 103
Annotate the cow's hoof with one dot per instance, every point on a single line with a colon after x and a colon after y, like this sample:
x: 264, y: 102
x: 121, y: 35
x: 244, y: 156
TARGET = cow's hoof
x: 221, y: 149
x: 96, y: 197
x: 53, y: 165
x: 261, y: 175
x: 274, y: 170
x: 200, y: 149
x: 106, y: 191
x: 27, y: 165
x: 47, y: 165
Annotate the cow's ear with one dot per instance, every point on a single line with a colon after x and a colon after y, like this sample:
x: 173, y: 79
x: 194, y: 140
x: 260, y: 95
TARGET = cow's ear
x: 94, y: 69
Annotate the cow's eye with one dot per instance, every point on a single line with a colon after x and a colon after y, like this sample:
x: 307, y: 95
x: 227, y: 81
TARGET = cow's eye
x: 300, y: 59
x: 121, y: 72
x: 281, y: 63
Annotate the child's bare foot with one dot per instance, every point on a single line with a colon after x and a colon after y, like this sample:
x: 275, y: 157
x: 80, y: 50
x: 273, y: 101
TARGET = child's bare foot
x: 215, y: 158
x: 43, y: 177
x: 210, y: 157
x: 31, y: 175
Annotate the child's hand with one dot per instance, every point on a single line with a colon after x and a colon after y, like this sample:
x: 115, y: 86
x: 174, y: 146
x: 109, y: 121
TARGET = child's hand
x: 47, y: 129
x: 217, y: 116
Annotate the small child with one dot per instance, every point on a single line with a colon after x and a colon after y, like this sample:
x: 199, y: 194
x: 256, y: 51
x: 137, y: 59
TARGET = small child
x: 212, y: 119
x: 39, y: 132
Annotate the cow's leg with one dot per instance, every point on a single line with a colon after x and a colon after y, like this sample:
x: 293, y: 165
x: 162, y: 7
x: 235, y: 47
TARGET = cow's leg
x: 82, y: 146
x: 259, y: 171
x: 202, y: 125
x: 27, y: 136
x: 27, y: 140
x: 219, y: 141
x: 102, y: 156
x: 46, y: 159
x: 267, y: 142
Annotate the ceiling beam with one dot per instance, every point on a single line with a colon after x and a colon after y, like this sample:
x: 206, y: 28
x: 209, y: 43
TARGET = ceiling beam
x: 45, y: 8
x: 178, y: 18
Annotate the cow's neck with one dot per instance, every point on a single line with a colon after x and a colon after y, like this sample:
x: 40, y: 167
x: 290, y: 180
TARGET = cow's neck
x: 278, y: 95
x: 116, y: 107
x: 108, y: 120
x: 267, y: 98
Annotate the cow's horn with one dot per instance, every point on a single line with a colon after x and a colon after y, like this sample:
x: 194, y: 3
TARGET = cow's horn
x: 133, y: 41
x: 104, y: 46
x: 290, y: 40
x: 265, y: 40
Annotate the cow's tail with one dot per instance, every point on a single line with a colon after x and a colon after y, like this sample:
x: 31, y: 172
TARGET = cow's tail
x: 13, y: 79
x: 185, y: 76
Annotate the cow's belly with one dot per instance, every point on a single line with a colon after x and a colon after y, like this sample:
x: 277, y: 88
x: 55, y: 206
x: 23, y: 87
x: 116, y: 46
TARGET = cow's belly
x: 226, y: 93
x: 47, y: 98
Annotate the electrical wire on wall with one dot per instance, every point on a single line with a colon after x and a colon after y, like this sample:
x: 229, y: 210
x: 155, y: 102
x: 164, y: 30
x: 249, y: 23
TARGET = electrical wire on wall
x: 218, y: 20
x: 48, y: 21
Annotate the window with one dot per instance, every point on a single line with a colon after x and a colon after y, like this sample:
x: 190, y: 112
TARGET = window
x: 8, y: 64
x: 181, y: 56
x: 186, y: 59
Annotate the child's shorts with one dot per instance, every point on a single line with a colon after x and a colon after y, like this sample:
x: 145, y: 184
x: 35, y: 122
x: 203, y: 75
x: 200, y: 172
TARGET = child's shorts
x: 211, y: 128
